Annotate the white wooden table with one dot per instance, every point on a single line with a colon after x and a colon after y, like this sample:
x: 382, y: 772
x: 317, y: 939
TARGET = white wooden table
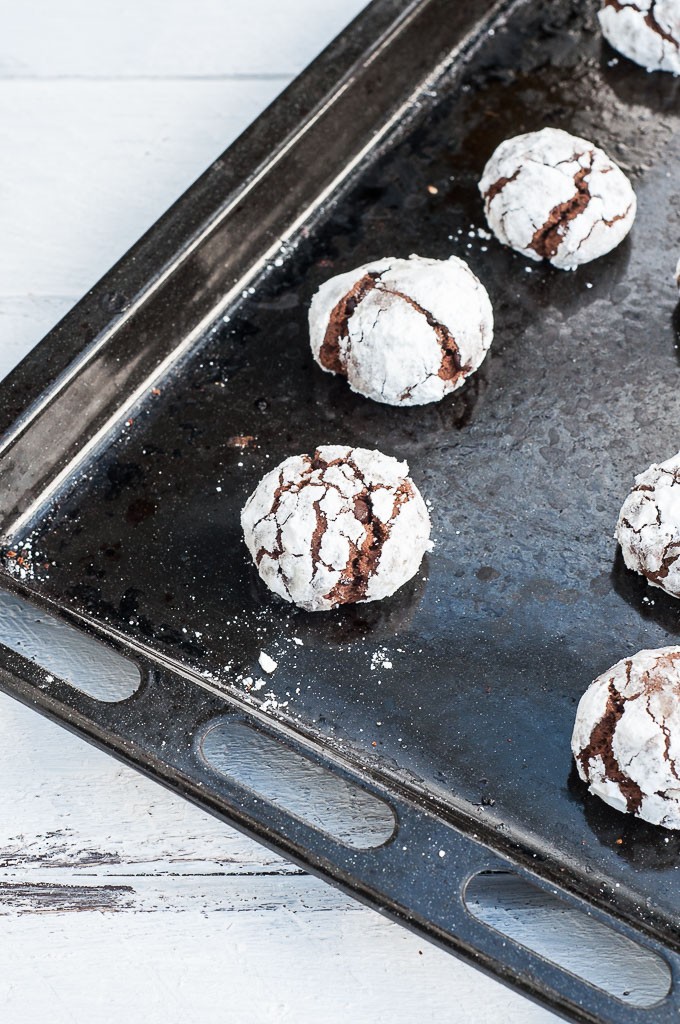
x: 119, y: 901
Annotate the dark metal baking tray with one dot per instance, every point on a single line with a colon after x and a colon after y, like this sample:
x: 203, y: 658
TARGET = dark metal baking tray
x: 118, y: 430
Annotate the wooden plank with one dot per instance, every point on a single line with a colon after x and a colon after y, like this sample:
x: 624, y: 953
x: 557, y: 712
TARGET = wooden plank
x: 273, y: 966
x: 168, y: 37
x: 132, y: 891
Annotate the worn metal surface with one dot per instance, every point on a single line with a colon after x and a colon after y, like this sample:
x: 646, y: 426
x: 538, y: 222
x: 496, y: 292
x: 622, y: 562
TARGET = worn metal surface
x: 523, y: 600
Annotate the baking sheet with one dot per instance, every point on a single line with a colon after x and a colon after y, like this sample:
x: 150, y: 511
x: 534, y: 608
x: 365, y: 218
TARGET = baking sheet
x: 461, y: 690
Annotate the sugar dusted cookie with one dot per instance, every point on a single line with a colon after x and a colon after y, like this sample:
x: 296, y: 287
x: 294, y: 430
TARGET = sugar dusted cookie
x: 648, y: 528
x: 403, y: 332
x: 341, y: 525
x: 554, y: 196
x: 646, y: 31
x: 626, y: 739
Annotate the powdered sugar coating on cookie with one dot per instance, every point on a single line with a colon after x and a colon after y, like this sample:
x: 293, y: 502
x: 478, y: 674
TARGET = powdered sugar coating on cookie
x: 342, y: 525
x: 645, y: 31
x: 648, y: 528
x: 551, y: 195
x: 626, y: 739
x: 403, y: 332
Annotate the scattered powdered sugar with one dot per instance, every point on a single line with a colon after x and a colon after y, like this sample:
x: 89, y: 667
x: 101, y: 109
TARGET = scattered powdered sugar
x: 272, y: 702
x: 249, y: 684
x: 18, y: 560
x: 267, y: 664
x: 381, y: 659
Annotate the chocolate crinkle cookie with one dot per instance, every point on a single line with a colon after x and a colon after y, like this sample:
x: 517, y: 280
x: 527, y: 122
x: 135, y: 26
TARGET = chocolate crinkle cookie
x: 403, y: 332
x: 554, y: 196
x: 648, y: 529
x: 341, y: 525
x: 626, y: 740
x: 646, y: 31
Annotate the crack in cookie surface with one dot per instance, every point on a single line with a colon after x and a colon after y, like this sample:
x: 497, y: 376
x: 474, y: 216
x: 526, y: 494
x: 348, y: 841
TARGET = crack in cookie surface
x: 330, y: 356
x: 649, y: 16
x: 498, y: 186
x: 548, y: 238
x: 667, y: 561
x: 600, y: 745
x: 363, y: 560
x: 338, y: 323
x: 451, y: 368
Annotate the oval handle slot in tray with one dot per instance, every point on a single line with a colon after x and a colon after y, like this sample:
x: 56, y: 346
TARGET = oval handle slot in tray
x: 568, y: 937
x: 65, y: 652
x: 297, y: 785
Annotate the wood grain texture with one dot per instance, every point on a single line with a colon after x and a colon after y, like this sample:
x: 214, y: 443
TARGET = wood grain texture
x: 118, y: 900
x: 223, y: 968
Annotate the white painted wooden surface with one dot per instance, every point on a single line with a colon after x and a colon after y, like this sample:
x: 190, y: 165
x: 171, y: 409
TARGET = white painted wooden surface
x: 119, y: 901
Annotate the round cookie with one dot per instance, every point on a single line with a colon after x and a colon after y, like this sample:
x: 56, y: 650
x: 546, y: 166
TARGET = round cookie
x: 645, y: 31
x: 403, y: 332
x: 554, y: 196
x: 648, y: 528
x: 626, y: 739
x: 342, y: 525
